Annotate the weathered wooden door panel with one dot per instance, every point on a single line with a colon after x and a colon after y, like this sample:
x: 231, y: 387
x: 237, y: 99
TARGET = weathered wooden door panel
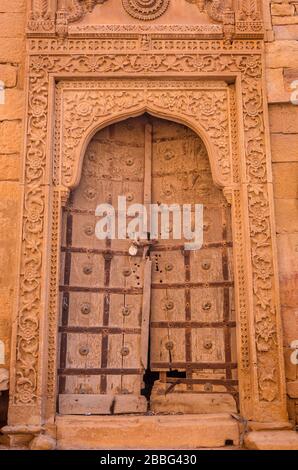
x: 101, y: 370
x: 110, y: 300
x: 192, y: 319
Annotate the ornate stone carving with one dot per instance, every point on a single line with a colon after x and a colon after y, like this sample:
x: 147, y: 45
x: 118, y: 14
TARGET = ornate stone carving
x: 41, y: 17
x: 206, y: 107
x: 200, y: 4
x: 248, y: 17
x: 48, y: 16
x: 171, y: 52
x: 249, y: 66
x: 145, y: 10
x: 78, y: 8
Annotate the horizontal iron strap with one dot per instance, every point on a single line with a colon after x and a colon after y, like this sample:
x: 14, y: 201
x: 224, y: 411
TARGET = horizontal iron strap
x: 99, y: 330
x: 191, y: 285
x: 100, y: 371
x: 98, y: 251
x: 173, y: 247
x: 203, y: 392
x: 104, y: 290
x: 202, y: 381
x: 94, y: 251
x: 77, y: 210
x: 192, y: 324
x: 193, y: 365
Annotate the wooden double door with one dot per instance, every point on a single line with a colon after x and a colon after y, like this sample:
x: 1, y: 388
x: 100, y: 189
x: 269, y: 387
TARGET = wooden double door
x: 146, y: 326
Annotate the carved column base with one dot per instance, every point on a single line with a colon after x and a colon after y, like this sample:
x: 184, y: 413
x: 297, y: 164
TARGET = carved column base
x: 43, y: 442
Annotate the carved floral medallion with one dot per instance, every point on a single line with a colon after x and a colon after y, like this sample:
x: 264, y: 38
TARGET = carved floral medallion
x: 145, y: 9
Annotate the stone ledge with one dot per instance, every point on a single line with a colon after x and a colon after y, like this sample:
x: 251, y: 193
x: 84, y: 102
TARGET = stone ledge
x: 146, y: 432
x: 271, y: 440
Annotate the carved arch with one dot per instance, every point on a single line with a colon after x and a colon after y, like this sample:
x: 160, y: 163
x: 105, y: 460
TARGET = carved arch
x: 203, y: 110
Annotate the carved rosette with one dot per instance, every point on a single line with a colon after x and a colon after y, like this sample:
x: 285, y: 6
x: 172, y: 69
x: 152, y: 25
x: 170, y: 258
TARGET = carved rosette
x: 145, y: 10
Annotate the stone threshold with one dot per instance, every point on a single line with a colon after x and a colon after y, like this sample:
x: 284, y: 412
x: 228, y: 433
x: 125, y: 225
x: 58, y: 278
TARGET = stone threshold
x: 147, y: 432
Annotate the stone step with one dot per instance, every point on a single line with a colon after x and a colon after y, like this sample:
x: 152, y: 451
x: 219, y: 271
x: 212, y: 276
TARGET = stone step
x: 147, y: 432
x: 272, y: 440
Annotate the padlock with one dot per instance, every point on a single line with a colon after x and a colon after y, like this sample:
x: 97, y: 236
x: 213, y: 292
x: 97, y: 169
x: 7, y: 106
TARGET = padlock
x: 133, y: 249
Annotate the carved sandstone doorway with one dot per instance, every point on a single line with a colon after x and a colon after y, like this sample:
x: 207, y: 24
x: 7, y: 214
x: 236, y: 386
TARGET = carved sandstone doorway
x: 157, y: 328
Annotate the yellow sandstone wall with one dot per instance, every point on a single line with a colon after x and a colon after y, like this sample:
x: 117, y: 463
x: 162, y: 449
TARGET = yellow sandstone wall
x: 12, y: 54
x: 281, y: 70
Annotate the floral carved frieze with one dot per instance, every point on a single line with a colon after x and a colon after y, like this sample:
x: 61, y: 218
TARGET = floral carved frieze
x: 63, y: 17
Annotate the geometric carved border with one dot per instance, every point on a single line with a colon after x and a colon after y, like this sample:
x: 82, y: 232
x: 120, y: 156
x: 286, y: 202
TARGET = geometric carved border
x: 248, y: 188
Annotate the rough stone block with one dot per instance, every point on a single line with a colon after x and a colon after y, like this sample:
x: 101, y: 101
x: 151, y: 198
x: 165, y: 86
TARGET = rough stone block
x: 8, y: 75
x: 9, y: 167
x: 10, y: 137
x: 146, y: 432
x: 284, y: 147
x: 283, y: 118
x: 12, y: 50
x: 287, y: 248
x: 286, y: 32
x: 281, y: 54
x: 12, y: 25
x: 14, y: 6
x: 13, y: 108
x: 285, y: 180
x: 286, y: 215
x: 282, y: 9
x: 283, y: 20
x: 276, y: 92
x: 271, y: 440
